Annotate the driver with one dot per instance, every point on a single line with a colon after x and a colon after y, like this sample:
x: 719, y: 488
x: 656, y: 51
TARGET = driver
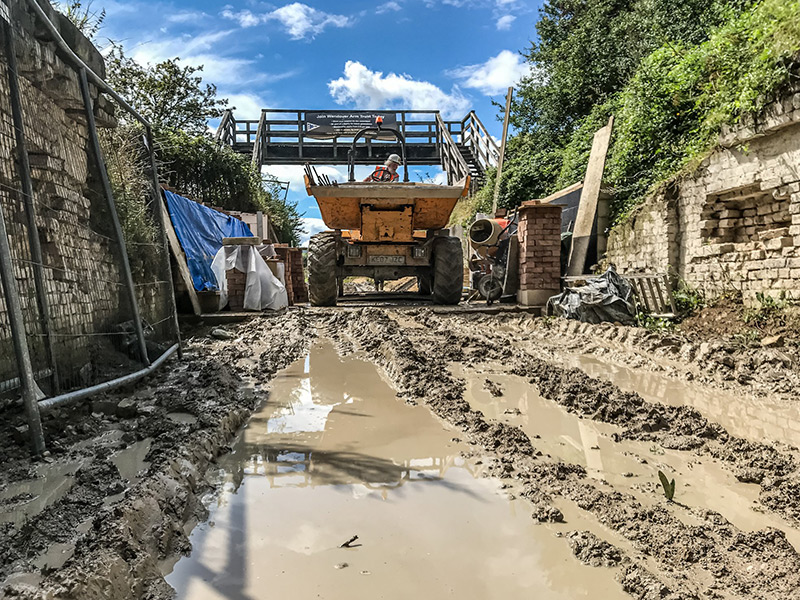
x: 388, y: 172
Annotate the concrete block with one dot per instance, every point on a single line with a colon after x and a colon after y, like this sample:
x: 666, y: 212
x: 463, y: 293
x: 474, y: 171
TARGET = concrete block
x: 536, y: 297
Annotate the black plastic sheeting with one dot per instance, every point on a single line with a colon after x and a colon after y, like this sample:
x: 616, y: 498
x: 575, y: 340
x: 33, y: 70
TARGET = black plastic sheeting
x: 608, y: 297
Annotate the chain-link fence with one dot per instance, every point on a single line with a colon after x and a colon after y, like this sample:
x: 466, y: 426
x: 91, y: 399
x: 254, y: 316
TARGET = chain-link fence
x: 87, y: 288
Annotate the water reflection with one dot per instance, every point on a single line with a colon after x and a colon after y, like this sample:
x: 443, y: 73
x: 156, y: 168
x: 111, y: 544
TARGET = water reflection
x: 333, y: 453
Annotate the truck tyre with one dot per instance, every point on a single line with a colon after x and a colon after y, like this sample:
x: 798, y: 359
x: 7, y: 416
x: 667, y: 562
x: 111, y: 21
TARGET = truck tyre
x: 448, y: 270
x: 322, y: 286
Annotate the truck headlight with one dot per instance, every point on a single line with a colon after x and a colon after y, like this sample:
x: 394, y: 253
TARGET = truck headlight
x: 353, y: 251
x: 419, y: 252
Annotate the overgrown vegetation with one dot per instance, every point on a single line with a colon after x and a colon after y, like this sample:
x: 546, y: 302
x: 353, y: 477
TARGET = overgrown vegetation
x: 179, y: 105
x: 671, y: 73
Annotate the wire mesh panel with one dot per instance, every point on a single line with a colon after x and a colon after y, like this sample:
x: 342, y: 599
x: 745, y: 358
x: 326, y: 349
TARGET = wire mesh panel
x: 12, y: 203
x: 91, y: 318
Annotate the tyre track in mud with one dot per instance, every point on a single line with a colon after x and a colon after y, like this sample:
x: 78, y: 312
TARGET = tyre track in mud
x: 674, y: 427
x: 711, y: 559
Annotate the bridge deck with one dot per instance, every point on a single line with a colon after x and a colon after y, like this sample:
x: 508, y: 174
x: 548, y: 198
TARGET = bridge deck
x: 289, y: 137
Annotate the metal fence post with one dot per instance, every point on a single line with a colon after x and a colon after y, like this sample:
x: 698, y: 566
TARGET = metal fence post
x: 163, y: 227
x: 24, y: 169
x: 20, y: 340
x: 101, y: 170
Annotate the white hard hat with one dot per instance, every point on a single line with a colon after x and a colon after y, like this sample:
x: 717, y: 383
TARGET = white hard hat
x: 394, y: 158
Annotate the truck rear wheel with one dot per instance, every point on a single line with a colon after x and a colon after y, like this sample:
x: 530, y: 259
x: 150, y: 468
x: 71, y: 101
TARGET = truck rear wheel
x: 448, y: 270
x: 322, y: 286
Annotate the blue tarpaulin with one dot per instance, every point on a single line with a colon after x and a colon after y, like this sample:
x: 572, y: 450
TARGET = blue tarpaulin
x: 200, y: 231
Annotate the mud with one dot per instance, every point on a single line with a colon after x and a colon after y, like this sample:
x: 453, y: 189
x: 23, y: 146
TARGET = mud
x: 566, y: 417
x: 332, y: 454
x: 701, y: 555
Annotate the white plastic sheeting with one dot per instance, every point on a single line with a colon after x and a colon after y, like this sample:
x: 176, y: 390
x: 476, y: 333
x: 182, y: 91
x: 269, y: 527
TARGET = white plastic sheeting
x: 262, y: 290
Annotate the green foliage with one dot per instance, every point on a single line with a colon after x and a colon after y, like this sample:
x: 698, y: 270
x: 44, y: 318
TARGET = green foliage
x: 213, y: 173
x: 169, y: 95
x: 769, y: 310
x: 88, y: 21
x: 671, y: 73
x: 128, y: 170
x: 669, y: 486
x: 688, y: 299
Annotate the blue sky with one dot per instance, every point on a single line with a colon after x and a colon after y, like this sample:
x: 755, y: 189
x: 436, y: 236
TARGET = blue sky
x: 450, y: 55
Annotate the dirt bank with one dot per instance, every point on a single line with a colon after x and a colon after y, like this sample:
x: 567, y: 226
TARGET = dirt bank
x: 100, y: 535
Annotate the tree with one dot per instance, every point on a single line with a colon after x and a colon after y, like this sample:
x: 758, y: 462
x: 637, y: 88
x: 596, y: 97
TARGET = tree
x: 587, y: 52
x: 168, y: 94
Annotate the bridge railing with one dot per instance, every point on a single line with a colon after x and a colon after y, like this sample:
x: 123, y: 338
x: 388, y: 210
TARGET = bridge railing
x: 475, y: 137
x: 453, y: 162
x: 287, y: 127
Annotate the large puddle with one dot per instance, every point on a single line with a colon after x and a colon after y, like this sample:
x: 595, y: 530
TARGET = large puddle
x: 333, y: 454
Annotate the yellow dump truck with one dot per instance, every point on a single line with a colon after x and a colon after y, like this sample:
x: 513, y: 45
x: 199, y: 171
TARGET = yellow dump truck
x: 385, y: 231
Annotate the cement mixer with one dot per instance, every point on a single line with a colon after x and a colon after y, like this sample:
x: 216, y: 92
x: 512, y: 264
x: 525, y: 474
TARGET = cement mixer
x: 490, y: 240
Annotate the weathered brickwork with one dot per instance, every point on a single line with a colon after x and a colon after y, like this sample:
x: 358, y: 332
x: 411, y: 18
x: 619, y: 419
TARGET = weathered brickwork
x: 81, y: 260
x: 733, y: 224
x: 539, y: 252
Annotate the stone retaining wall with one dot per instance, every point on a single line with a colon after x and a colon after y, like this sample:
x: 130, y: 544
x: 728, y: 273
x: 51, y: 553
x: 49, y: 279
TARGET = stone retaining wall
x: 81, y: 260
x: 733, y: 224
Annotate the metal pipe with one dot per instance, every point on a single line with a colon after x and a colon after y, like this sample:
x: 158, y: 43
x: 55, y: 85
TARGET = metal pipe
x: 20, y: 341
x: 49, y: 403
x: 159, y: 214
x: 14, y: 383
x: 112, y: 209
x: 30, y: 208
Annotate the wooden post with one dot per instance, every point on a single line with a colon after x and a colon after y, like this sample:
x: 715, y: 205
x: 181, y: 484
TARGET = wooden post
x: 502, y: 152
x: 260, y: 224
x: 587, y: 209
x: 180, y: 258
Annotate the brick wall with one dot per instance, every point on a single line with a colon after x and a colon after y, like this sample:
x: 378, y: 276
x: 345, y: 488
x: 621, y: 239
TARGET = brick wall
x: 292, y: 258
x: 83, y: 280
x: 539, y: 253
x: 733, y: 224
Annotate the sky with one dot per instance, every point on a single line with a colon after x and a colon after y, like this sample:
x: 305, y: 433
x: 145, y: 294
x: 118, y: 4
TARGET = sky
x: 448, y: 55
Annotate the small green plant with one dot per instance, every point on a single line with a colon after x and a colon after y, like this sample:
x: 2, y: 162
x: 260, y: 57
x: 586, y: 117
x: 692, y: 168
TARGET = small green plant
x: 769, y: 309
x: 688, y: 299
x: 669, y: 486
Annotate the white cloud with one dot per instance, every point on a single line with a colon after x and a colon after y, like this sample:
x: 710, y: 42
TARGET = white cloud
x: 248, y: 106
x: 186, y: 16
x: 387, y: 7
x: 504, y: 22
x: 294, y: 174
x: 245, y: 18
x: 495, y: 75
x: 312, y: 225
x: 372, y: 90
x: 300, y: 21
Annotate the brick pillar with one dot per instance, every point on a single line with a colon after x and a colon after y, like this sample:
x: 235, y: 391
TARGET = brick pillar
x: 539, y: 253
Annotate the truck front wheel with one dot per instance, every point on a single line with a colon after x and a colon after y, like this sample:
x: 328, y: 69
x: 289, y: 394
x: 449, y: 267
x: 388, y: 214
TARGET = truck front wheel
x: 322, y: 286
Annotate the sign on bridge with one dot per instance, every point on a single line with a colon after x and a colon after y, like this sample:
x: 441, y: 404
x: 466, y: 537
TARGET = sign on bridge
x: 326, y: 125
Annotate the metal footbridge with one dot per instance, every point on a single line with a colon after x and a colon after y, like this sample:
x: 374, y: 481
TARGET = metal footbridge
x: 297, y: 137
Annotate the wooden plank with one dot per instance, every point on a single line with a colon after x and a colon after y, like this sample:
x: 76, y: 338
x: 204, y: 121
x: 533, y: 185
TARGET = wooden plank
x: 180, y: 259
x: 587, y: 208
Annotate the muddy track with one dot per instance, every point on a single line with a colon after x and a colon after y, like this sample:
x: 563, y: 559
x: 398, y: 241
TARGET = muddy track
x: 119, y: 532
x: 122, y: 531
x: 709, y: 559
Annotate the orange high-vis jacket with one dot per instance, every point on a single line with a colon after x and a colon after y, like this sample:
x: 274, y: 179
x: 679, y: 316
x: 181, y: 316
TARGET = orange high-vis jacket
x: 382, y: 174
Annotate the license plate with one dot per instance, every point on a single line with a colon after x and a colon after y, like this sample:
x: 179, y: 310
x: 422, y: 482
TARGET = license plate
x: 394, y: 259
